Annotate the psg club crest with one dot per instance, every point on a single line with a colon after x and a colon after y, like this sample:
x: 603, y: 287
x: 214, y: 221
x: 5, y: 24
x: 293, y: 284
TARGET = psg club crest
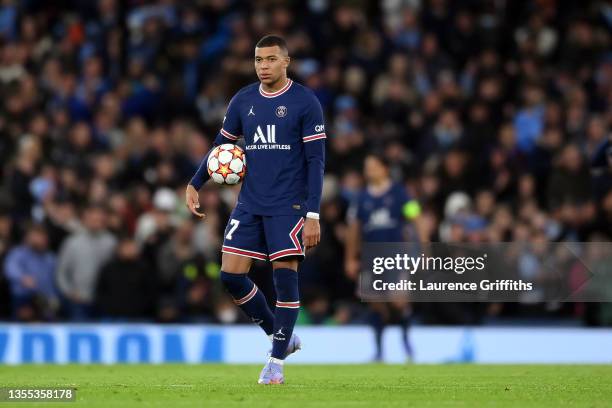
x: 281, y: 111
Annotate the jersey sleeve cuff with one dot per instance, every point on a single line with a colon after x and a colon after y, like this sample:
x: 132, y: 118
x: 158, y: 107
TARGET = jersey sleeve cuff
x: 229, y: 135
x: 316, y: 136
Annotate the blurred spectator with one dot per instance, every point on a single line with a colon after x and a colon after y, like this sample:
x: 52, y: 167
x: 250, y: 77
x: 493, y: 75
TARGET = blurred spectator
x: 178, y: 261
x: 30, y: 270
x: 570, y: 192
x: 196, y: 291
x: 529, y: 121
x: 6, y: 237
x: 158, y: 222
x: 80, y: 259
x: 125, y: 289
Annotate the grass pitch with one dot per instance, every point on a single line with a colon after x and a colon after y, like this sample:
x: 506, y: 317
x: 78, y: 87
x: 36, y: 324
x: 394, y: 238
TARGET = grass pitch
x: 371, y: 385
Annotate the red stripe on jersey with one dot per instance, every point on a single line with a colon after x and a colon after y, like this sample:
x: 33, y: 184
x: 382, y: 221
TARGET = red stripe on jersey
x: 228, y: 134
x: 314, y: 137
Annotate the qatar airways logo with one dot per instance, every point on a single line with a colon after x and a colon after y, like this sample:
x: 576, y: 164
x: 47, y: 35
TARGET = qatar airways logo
x: 267, y: 140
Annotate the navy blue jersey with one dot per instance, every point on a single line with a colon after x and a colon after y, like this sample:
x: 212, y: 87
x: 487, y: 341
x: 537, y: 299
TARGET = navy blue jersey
x: 284, y: 136
x: 381, y: 217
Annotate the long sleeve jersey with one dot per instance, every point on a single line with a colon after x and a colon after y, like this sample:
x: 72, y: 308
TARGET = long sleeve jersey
x: 284, y: 137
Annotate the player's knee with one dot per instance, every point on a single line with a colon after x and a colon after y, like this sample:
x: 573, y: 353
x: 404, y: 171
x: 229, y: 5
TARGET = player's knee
x: 237, y: 264
x: 234, y: 283
x: 286, y: 263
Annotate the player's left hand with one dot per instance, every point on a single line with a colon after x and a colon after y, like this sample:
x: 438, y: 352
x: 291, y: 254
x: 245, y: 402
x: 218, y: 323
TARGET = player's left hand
x: 311, y: 235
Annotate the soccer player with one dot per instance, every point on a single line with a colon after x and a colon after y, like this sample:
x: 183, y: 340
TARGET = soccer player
x: 277, y: 213
x: 377, y: 215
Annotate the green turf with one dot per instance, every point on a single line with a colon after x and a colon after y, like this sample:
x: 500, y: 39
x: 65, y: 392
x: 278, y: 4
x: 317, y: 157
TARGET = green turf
x: 376, y: 386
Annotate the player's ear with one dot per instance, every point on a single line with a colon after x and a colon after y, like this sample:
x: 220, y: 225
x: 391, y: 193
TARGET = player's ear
x: 287, y: 61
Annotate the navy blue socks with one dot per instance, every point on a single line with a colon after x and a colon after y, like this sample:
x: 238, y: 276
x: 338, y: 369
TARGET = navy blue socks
x: 250, y: 299
x: 287, y: 309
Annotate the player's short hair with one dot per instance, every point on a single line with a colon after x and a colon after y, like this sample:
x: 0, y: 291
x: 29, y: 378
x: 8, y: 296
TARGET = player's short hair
x: 271, y: 41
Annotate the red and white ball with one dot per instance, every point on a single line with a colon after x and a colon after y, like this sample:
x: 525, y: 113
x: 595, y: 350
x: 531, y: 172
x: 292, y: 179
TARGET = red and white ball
x: 227, y: 164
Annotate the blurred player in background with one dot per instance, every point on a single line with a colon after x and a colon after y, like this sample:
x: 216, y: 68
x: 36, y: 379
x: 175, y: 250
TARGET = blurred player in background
x: 282, y: 125
x: 377, y: 215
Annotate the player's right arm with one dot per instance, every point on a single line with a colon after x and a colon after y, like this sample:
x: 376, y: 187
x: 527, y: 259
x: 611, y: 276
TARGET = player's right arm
x: 230, y: 132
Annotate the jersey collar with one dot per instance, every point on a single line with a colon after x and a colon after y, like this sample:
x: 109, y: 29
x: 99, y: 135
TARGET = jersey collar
x: 277, y: 93
x: 379, y: 191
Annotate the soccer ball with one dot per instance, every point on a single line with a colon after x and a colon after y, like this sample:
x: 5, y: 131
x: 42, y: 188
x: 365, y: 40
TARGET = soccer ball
x: 227, y: 164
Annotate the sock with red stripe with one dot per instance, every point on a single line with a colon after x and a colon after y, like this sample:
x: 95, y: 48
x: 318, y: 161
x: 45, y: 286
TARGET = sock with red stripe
x: 249, y: 298
x: 287, y: 308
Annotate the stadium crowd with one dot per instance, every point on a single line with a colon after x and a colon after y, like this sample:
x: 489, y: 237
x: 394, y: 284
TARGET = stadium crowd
x: 495, y: 116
